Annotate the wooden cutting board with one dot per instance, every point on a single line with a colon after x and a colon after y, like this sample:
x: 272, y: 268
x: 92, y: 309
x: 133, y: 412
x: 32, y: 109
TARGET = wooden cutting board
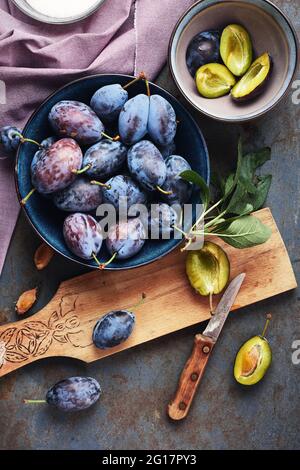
x: 64, y: 326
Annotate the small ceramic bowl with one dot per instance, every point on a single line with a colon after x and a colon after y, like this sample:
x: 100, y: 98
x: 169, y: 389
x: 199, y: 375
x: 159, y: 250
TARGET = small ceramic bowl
x: 270, y: 31
x: 47, y: 220
x: 28, y: 10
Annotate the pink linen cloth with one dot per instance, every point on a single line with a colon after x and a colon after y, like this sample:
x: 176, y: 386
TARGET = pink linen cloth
x: 124, y: 36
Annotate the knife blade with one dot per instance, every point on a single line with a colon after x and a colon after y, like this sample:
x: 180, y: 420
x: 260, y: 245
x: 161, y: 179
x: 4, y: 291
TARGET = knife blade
x: 221, y: 313
x: 194, y: 369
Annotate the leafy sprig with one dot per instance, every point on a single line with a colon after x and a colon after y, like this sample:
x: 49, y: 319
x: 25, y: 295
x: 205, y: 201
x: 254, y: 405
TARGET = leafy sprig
x: 242, y: 193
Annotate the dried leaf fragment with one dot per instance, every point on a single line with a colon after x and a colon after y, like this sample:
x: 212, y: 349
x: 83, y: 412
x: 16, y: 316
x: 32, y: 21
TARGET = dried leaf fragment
x: 26, y: 301
x: 43, y: 256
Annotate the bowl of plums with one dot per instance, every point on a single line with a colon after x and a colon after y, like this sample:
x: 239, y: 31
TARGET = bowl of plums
x: 233, y: 60
x: 100, y: 170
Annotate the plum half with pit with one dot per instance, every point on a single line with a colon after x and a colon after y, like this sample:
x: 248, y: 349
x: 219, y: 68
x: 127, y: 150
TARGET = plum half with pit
x: 204, y: 48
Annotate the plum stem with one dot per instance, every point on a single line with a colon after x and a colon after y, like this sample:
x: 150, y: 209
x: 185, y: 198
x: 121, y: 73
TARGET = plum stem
x: 113, y: 139
x: 141, y: 76
x: 211, y: 307
x: 167, y: 193
x: 30, y: 402
x: 138, y: 304
x: 25, y: 199
x: 147, y: 87
x: 104, y: 265
x: 83, y: 170
x: 96, y: 259
x: 269, y: 316
x: 24, y: 139
x: 103, y: 185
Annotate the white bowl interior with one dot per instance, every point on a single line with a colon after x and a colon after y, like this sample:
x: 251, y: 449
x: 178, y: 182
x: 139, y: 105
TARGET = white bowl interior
x: 269, y: 31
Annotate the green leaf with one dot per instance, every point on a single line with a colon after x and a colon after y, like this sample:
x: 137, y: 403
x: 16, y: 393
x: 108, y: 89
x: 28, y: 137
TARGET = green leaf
x: 229, y: 184
x: 194, y: 177
x: 250, y: 190
x: 249, y: 165
x: 262, y: 191
x: 245, y: 232
x: 244, y: 202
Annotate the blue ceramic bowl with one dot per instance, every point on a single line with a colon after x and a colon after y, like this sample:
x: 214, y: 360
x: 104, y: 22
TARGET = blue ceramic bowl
x: 47, y: 220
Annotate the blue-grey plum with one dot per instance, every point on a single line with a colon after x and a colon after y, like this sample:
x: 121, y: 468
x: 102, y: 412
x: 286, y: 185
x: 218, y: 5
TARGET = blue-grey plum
x: 77, y: 120
x: 9, y: 138
x: 180, y: 190
x: 113, y: 329
x: 162, y: 123
x: 83, y: 235
x: 105, y: 159
x: 122, y: 186
x: 52, y: 168
x: 108, y: 101
x: 46, y: 143
x: 80, y: 196
x: 133, y: 119
x: 167, y: 150
x: 161, y: 221
x: 147, y: 165
x: 126, y: 238
x: 203, y: 49
x: 74, y: 394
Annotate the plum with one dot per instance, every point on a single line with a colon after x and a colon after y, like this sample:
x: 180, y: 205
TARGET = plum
x: 10, y: 138
x: 46, y: 143
x: 74, y: 394
x: 52, y: 169
x: 180, y: 190
x: 108, y: 102
x: 77, y: 120
x: 80, y: 196
x: 161, y: 221
x: 126, y: 239
x: 133, y: 119
x: 147, y: 165
x: 105, y: 158
x: 113, y: 329
x: 122, y: 186
x: 162, y: 123
x: 83, y: 235
x: 203, y: 49
x: 167, y: 150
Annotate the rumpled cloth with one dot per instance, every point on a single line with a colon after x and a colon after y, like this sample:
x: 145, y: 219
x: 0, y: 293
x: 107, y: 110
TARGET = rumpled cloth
x: 123, y: 36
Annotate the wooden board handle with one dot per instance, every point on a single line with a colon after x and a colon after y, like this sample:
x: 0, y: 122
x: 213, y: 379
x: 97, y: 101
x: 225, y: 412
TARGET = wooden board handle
x: 190, y: 377
x: 21, y: 343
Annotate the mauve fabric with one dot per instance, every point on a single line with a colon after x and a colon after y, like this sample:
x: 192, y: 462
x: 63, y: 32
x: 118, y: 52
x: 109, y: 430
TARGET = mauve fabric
x: 123, y: 36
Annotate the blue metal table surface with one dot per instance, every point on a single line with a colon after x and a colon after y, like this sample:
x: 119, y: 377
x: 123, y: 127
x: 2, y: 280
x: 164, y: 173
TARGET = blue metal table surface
x: 137, y: 384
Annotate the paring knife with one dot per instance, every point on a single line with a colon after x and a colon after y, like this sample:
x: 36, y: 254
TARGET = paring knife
x: 194, y: 369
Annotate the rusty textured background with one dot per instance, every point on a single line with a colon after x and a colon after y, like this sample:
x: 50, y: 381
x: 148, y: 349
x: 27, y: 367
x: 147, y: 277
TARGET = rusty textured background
x: 137, y: 384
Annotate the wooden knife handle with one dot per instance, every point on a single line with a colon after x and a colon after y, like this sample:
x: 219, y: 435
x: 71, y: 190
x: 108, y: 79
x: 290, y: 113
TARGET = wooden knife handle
x: 190, y: 378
